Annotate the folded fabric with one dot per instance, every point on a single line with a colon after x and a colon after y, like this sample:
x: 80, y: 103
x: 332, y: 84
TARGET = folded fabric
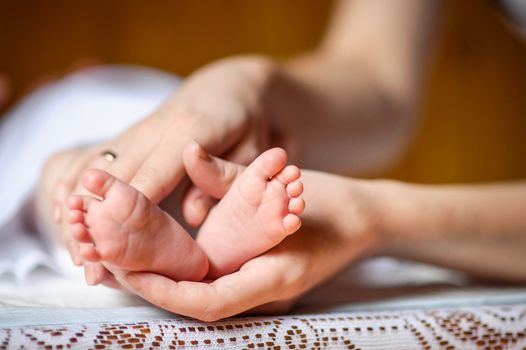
x: 91, y: 105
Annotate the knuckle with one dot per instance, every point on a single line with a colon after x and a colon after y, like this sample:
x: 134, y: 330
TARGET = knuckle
x: 149, y: 175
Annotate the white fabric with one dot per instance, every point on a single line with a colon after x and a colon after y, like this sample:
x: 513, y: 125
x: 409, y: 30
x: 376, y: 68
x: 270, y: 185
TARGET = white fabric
x: 86, y: 107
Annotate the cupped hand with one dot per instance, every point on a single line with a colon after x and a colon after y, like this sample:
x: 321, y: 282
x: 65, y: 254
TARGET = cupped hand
x: 284, y: 273
x: 221, y: 106
x: 340, y: 225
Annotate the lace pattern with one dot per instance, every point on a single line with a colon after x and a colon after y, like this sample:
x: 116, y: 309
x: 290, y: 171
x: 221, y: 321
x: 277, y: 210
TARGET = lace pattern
x: 489, y: 327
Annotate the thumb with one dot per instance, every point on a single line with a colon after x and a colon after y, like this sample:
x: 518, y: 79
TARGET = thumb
x: 212, y: 175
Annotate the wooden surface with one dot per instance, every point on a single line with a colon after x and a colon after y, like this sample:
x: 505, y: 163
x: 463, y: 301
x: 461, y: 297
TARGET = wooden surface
x: 474, y: 114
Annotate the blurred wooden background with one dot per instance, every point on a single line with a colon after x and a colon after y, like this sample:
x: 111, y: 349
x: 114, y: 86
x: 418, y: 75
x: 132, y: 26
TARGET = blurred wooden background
x: 474, y: 113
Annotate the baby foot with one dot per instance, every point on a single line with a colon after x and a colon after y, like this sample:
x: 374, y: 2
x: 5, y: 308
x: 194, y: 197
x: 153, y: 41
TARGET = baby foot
x: 120, y: 227
x: 259, y: 210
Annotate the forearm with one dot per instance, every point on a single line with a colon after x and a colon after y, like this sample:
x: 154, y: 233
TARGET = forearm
x: 358, y: 91
x: 340, y: 120
x: 480, y: 229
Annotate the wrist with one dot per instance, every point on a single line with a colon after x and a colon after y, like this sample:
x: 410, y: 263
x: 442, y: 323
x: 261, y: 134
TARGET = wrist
x: 361, y: 216
x: 400, y: 211
x: 383, y: 206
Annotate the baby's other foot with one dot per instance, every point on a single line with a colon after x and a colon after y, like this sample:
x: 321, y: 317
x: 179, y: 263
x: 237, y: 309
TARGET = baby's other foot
x: 120, y: 227
x: 259, y: 210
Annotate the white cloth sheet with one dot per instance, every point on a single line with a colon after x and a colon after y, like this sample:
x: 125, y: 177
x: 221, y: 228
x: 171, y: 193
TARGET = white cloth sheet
x: 86, y: 107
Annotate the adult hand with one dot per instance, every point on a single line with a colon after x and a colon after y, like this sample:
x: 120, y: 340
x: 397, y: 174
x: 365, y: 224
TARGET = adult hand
x: 332, y: 236
x: 284, y: 273
x: 221, y: 106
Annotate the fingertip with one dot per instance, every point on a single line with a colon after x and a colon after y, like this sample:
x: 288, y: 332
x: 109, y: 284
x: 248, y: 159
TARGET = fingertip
x: 95, y: 273
x: 89, y: 275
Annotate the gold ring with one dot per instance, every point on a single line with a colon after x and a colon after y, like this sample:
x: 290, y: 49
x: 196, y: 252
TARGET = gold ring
x: 109, y: 155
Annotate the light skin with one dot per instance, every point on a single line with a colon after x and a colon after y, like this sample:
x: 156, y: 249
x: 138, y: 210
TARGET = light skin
x: 356, y: 92
x: 346, y: 220
x: 479, y: 229
x: 118, y: 226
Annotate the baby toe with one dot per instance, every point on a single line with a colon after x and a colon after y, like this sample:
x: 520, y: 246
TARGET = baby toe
x: 289, y: 174
x: 98, y: 181
x: 296, y: 205
x: 80, y: 233
x: 89, y: 252
x: 292, y: 223
x: 77, y: 202
x: 295, y: 188
x: 75, y: 216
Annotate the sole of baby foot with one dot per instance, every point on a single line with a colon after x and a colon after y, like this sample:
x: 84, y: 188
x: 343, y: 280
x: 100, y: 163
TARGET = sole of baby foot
x: 118, y: 226
x: 260, y: 209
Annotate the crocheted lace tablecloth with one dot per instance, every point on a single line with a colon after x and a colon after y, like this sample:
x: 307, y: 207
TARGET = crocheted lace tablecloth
x: 483, y: 327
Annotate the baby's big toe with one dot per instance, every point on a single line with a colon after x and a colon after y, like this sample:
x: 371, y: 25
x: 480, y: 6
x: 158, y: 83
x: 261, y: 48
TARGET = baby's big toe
x: 97, y: 181
x: 268, y: 164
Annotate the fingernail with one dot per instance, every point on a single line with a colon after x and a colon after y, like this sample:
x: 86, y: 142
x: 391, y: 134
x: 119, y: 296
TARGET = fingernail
x: 201, y: 152
x: 57, y: 214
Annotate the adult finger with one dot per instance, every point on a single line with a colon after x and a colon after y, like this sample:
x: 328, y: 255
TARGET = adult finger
x: 70, y: 174
x: 226, y: 296
x: 96, y: 273
x: 124, y: 155
x: 211, y: 174
x: 273, y: 308
x: 163, y: 168
x: 195, y: 205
